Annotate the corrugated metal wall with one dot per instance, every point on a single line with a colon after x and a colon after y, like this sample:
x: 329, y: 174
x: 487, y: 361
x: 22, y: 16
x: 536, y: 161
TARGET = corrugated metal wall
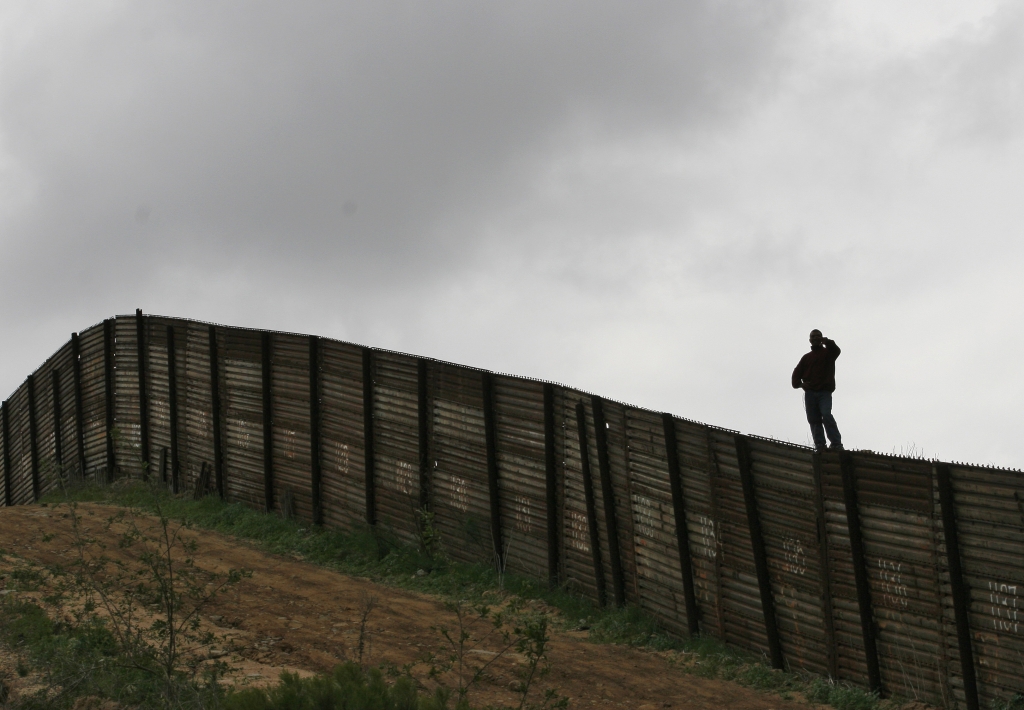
x: 896, y: 574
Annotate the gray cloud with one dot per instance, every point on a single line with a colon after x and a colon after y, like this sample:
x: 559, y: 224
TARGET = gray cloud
x: 652, y: 200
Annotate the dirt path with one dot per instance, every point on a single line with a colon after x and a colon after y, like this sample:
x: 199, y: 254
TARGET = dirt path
x: 296, y: 616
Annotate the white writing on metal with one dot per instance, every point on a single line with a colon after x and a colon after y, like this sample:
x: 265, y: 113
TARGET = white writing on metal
x: 708, y: 537
x: 524, y: 521
x: 893, y: 588
x: 460, y: 494
x: 579, y: 533
x: 794, y: 559
x: 643, y: 515
x: 1003, y: 598
x: 341, y: 455
x: 403, y: 481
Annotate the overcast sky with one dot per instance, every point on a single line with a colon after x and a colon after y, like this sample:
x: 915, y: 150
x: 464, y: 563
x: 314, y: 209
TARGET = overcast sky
x: 654, y: 201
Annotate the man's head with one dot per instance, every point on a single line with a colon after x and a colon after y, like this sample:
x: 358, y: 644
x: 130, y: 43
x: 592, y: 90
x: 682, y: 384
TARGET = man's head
x: 815, y: 337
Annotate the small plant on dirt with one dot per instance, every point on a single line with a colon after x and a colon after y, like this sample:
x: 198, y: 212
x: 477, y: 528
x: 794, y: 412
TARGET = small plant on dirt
x: 348, y: 687
x: 481, y: 636
x: 430, y: 539
x: 367, y: 603
x: 149, y: 594
x: 840, y: 695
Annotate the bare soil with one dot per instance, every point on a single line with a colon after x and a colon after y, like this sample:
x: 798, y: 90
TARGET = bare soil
x: 292, y: 615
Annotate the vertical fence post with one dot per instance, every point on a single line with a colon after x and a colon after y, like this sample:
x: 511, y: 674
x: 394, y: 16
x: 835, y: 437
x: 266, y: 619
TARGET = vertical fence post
x: 860, y: 572
x: 826, y: 575
x: 140, y: 354
x: 588, y: 495
x: 369, y: 458
x: 58, y: 445
x: 108, y: 382
x: 33, y: 436
x: 716, y: 530
x: 491, y: 442
x: 268, y: 422
x: 172, y: 405
x: 7, y: 454
x: 764, y: 581
x: 551, y: 483
x: 958, y: 585
x: 423, y: 426
x: 608, y: 493
x: 315, y: 449
x: 215, y: 411
x: 675, y: 478
x: 76, y: 379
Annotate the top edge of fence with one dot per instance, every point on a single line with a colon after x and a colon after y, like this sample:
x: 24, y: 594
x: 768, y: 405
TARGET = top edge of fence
x: 709, y: 427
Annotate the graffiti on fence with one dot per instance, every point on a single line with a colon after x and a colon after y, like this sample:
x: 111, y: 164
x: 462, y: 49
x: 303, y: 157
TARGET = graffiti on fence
x: 524, y: 521
x: 708, y: 537
x: 460, y: 494
x: 894, y: 590
x: 1003, y: 599
x: 643, y: 515
x: 579, y: 534
x: 794, y: 558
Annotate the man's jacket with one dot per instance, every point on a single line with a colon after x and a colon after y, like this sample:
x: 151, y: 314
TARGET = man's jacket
x: 816, y: 371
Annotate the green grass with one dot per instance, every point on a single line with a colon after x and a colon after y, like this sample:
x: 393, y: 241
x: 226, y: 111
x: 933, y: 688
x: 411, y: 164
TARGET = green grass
x: 377, y: 554
x: 79, y: 660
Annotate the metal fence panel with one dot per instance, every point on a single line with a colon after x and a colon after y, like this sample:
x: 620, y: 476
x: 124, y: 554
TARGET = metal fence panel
x: 198, y: 407
x: 785, y: 488
x: 128, y: 437
x: 94, y: 400
x: 896, y: 515
x: 20, y: 454
x: 624, y: 503
x: 239, y: 351
x: 519, y: 418
x: 990, y: 524
x: 344, y: 489
x: 743, y: 618
x: 658, y: 573
x: 159, y: 396
x: 850, y: 652
x: 460, y: 499
x: 396, y: 440
x: 290, y: 384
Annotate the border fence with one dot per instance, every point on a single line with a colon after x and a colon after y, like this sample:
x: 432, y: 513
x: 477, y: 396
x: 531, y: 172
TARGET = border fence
x: 895, y: 574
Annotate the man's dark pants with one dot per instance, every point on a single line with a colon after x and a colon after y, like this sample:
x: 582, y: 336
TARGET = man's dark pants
x: 819, y: 416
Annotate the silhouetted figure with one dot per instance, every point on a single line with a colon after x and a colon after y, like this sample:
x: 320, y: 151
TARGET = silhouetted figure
x: 816, y: 373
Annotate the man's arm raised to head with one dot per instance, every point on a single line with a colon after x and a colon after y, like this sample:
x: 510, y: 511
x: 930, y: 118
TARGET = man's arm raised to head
x: 831, y: 347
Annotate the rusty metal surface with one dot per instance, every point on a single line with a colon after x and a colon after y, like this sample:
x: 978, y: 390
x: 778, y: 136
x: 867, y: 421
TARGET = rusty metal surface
x: 519, y: 415
x: 896, y: 513
x: 459, y: 496
x: 196, y: 405
x: 128, y: 442
x: 94, y: 400
x: 290, y: 386
x: 785, y: 491
x: 341, y: 412
x: 990, y: 525
x: 19, y: 455
x: 396, y: 440
x: 740, y: 596
x: 658, y: 574
x: 159, y: 400
x: 578, y: 572
x: 243, y: 416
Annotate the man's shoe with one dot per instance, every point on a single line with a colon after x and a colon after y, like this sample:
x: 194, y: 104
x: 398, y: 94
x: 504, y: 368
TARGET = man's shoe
x: 836, y: 447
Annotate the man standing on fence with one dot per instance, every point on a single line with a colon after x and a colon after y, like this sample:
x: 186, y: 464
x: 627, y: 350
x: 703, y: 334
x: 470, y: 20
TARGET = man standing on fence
x: 816, y: 373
